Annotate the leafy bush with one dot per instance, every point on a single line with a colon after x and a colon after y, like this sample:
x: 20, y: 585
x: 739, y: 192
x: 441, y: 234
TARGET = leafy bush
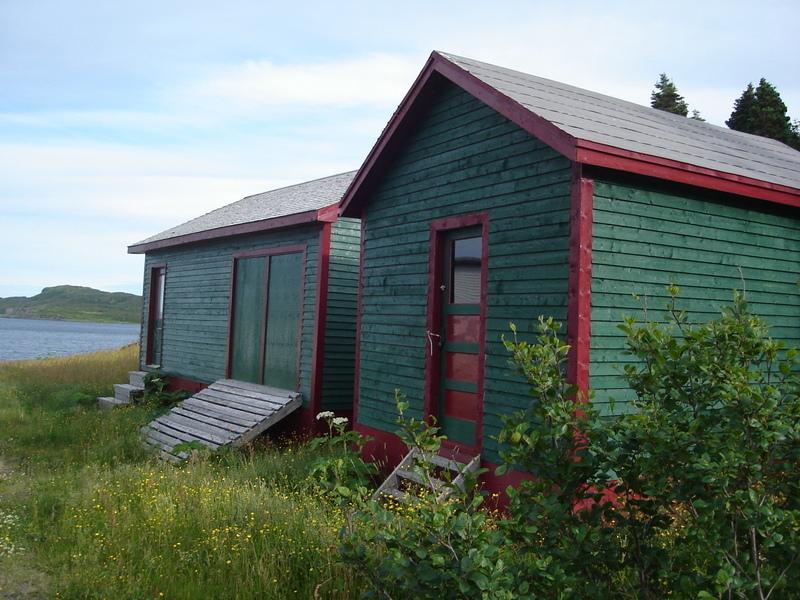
x: 694, y: 494
x: 339, y: 471
x: 435, y: 545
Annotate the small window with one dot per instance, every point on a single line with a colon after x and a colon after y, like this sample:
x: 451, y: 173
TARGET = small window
x: 467, y: 255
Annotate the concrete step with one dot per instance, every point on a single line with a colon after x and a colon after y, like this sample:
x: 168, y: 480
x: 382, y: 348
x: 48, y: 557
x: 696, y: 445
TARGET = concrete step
x: 107, y: 402
x: 126, y: 392
x: 136, y: 378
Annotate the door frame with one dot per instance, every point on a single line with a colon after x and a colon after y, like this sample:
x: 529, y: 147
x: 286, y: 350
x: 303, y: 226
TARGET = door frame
x: 149, y: 349
x: 439, y: 229
x: 276, y: 250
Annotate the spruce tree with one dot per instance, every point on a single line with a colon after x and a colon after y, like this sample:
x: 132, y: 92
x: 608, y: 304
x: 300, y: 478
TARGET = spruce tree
x: 761, y: 111
x: 696, y: 115
x: 665, y: 97
x: 742, y: 114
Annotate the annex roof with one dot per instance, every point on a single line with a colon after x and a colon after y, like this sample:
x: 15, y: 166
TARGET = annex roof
x: 287, y: 206
x: 595, y: 129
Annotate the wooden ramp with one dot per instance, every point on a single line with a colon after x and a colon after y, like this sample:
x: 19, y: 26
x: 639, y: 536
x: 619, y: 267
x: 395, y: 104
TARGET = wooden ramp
x: 227, y: 412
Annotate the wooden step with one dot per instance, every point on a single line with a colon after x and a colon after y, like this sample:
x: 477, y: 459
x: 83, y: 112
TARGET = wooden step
x: 226, y: 413
x: 108, y: 402
x: 136, y: 378
x: 407, y: 473
x: 127, y: 392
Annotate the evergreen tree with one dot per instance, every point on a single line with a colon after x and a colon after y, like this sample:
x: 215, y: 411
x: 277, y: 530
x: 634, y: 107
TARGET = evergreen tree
x: 696, y: 115
x: 761, y: 111
x: 665, y: 97
x: 743, y: 110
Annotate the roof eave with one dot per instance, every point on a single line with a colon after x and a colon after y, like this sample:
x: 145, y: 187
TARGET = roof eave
x: 302, y: 218
x: 611, y: 157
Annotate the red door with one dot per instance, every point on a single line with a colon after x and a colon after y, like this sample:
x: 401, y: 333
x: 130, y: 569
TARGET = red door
x: 457, y: 338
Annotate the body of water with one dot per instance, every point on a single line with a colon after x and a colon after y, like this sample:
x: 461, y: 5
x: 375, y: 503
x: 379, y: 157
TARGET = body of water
x: 36, y: 338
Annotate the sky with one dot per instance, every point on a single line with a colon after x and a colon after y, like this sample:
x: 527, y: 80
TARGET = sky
x: 121, y: 119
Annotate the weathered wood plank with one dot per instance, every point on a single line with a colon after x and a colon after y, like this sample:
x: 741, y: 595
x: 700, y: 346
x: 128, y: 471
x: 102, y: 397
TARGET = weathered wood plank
x: 259, y: 409
x: 210, y: 421
x: 220, y: 411
x: 184, y: 436
x: 192, y: 419
x: 250, y: 435
x: 262, y: 389
x: 210, y: 418
x: 194, y: 429
x: 245, y: 395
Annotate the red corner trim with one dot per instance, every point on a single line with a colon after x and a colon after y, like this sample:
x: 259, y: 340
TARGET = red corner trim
x: 328, y: 214
x: 359, y: 313
x: 602, y: 155
x: 318, y: 361
x: 579, y: 299
x: 302, y: 218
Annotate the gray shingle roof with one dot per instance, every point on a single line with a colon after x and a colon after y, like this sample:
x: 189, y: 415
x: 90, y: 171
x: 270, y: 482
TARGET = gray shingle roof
x: 598, y: 118
x: 294, y: 199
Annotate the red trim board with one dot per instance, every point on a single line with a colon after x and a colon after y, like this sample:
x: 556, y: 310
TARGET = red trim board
x: 579, y: 294
x: 303, y: 218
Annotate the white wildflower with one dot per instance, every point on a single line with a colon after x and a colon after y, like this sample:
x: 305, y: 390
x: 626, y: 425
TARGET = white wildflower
x: 340, y: 421
x: 325, y: 414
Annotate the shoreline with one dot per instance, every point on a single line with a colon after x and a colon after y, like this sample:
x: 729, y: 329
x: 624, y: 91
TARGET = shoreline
x: 36, y: 318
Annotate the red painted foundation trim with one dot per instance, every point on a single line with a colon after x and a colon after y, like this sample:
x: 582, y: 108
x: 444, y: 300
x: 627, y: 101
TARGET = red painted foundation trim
x: 318, y: 361
x: 579, y: 298
x: 359, y: 312
x: 180, y: 383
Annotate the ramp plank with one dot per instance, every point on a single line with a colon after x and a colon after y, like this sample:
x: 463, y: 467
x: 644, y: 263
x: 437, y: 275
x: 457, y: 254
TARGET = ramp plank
x: 226, y: 413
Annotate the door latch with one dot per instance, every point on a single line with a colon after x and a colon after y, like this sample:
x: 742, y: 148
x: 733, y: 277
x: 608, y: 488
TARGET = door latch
x: 432, y: 335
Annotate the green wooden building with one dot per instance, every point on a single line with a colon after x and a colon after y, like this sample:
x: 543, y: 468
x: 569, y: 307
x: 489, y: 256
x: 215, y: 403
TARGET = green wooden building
x: 495, y: 196
x: 263, y: 291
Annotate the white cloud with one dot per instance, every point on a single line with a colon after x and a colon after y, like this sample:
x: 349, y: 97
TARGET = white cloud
x: 372, y: 80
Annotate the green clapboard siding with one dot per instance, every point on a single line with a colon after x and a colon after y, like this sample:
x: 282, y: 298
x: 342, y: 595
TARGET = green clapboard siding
x: 340, y: 325
x: 197, y: 297
x: 643, y: 240
x: 283, y: 320
x: 248, y: 310
x: 461, y: 158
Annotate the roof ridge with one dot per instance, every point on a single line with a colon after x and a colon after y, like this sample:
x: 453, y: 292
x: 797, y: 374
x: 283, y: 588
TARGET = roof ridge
x: 292, y: 185
x: 616, y: 100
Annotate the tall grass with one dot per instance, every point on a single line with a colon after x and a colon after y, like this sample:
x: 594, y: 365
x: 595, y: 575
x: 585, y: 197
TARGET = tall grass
x: 102, y: 518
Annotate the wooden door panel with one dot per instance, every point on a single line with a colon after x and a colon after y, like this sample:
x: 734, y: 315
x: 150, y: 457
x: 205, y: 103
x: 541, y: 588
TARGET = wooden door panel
x: 459, y: 367
x: 464, y: 328
x: 284, y: 307
x: 248, y: 318
x: 460, y: 405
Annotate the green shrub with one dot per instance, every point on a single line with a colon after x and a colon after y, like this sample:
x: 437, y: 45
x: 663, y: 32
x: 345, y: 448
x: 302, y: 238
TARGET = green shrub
x: 695, y: 494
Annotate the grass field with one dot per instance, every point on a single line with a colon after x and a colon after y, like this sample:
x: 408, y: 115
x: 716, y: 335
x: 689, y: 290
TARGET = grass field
x: 86, y: 512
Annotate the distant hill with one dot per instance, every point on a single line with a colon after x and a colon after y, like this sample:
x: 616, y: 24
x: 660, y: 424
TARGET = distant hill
x: 74, y: 303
